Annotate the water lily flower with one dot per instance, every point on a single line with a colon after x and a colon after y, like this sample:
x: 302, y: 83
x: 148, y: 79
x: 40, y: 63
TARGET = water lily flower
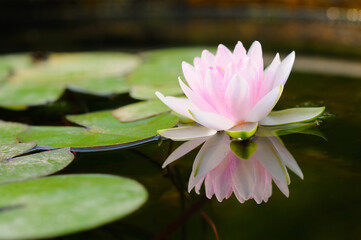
x: 232, y: 92
x: 245, y: 168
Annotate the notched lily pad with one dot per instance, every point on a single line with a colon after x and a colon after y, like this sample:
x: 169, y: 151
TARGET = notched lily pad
x: 100, y: 73
x: 10, y: 150
x: 100, y: 129
x: 59, y: 205
x: 32, y: 165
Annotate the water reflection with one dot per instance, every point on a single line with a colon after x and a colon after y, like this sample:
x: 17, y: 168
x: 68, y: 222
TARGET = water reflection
x: 245, y: 168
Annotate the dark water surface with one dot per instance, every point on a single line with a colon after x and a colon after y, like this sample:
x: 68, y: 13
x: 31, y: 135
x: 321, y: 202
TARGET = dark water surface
x: 325, y: 205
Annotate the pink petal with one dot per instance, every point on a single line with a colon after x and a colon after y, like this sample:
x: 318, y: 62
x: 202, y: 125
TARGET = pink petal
x: 208, y: 58
x: 286, y: 156
x: 243, y: 178
x: 212, y: 120
x: 222, y: 179
x: 237, y: 98
x: 239, y: 53
x: 282, y: 187
x: 179, y: 105
x: 183, y: 150
x: 211, y: 154
x: 268, y: 157
x: 208, y: 183
x: 255, y: 54
x: 269, y: 76
x: 213, y: 83
x: 195, y: 98
x: 191, y: 76
x: 284, y: 70
x: 199, y: 185
x: 229, y: 74
x: 223, y: 56
x: 264, y: 106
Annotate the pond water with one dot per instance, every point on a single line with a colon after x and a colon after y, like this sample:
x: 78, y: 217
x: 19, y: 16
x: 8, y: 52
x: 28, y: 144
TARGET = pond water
x: 325, y: 205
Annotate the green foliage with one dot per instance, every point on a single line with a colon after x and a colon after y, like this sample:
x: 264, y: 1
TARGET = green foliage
x: 54, y: 206
x: 32, y: 165
x: 100, y: 73
x: 101, y: 129
x: 140, y: 110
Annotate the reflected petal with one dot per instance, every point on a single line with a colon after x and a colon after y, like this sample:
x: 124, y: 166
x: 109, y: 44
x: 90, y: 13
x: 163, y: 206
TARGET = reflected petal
x: 186, y: 133
x: 211, y: 154
x: 183, y: 150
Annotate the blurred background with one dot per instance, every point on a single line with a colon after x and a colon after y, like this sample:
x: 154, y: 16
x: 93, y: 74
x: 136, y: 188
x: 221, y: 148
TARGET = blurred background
x: 325, y: 27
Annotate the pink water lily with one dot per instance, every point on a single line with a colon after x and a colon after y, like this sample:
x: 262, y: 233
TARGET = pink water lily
x: 232, y: 92
x: 245, y: 168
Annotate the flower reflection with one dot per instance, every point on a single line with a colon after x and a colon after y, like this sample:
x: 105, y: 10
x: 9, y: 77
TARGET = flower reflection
x: 246, y: 168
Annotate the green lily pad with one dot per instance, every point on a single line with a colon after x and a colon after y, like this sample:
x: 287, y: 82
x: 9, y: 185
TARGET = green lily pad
x: 101, y: 129
x: 32, y: 165
x: 100, y: 73
x: 11, y: 150
x: 9, y: 131
x: 54, y: 206
x: 147, y: 92
x: 13, y: 62
x: 160, y: 71
x: 140, y: 110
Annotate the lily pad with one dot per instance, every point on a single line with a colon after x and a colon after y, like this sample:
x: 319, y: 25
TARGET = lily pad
x: 160, y: 71
x: 59, y: 205
x: 101, y: 129
x: 147, y: 92
x: 140, y: 110
x: 100, y: 73
x: 32, y: 165
x: 9, y: 131
x: 11, y: 150
x: 13, y: 62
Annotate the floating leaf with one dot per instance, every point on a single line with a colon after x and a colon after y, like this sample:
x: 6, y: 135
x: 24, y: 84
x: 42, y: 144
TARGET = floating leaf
x: 10, y: 63
x: 140, y: 110
x: 11, y: 150
x: 32, y: 165
x: 147, y: 92
x: 59, y: 205
x: 101, y: 86
x: 102, y: 129
x: 160, y: 71
x: 100, y: 73
x: 9, y: 131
